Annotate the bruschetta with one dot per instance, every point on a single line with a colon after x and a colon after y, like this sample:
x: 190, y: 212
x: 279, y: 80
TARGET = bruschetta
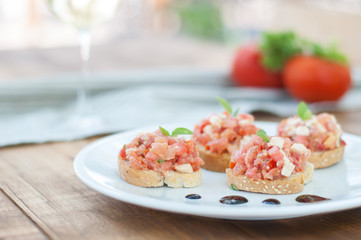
x: 157, y: 159
x: 320, y: 133
x: 271, y: 165
x: 219, y: 135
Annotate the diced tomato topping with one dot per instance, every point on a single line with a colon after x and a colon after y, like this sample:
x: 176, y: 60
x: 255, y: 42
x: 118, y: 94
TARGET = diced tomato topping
x: 232, y: 164
x: 319, y: 133
x: 248, y: 129
x: 301, y: 139
x: 273, y: 174
x: 226, y: 127
x: 166, y: 166
x: 160, y: 149
x: 230, y: 134
x: 251, y: 155
x: 122, y: 151
x: 203, y: 138
x: 259, y: 160
x: 170, y: 153
x: 230, y: 123
x: 196, y: 163
x: 152, y: 156
x: 218, y: 145
x: 239, y: 169
x: 136, y: 164
x: 253, y: 172
x: 275, y: 153
x: 157, y: 152
x: 179, y: 148
x: 135, y: 161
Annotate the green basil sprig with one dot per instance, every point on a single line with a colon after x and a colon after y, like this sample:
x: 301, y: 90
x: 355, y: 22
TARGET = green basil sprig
x: 262, y: 133
x: 227, y: 106
x: 303, y: 111
x: 176, y: 132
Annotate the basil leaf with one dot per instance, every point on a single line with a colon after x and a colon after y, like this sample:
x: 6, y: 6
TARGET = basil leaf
x: 225, y: 104
x: 165, y: 132
x: 236, y: 112
x: 234, y: 187
x: 303, y: 111
x: 262, y: 133
x: 125, y: 147
x: 160, y: 160
x: 181, y: 131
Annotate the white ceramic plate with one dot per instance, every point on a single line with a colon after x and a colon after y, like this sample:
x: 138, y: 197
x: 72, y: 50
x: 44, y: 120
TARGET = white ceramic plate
x: 96, y: 166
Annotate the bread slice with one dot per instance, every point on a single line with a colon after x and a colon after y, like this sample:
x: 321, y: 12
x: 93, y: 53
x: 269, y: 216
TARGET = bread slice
x: 213, y: 161
x: 290, y: 185
x: 327, y: 158
x: 308, y: 173
x: 150, y: 178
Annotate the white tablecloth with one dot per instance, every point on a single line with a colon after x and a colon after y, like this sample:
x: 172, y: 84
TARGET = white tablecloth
x: 36, y: 111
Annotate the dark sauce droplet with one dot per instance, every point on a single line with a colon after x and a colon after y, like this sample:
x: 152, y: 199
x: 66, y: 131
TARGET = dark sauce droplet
x: 271, y: 201
x: 193, y: 196
x: 233, y: 199
x: 310, y: 198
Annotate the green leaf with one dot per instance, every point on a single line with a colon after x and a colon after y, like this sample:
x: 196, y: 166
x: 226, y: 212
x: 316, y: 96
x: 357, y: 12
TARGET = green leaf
x: 202, y: 19
x: 236, y: 112
x: 330, y: 53
x: 262, y: 133
x: 225, y: 104
x: 125, y: 147
x: 160, y: 160
x: 234, y: 187
x: 165, y: 132
x: 181, y: 131
x: 303, y: 111
x: 278, y: 47
x: 177, y: 131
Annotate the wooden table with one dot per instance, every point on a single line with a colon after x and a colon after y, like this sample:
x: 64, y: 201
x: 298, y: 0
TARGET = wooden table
x: 41, y: 198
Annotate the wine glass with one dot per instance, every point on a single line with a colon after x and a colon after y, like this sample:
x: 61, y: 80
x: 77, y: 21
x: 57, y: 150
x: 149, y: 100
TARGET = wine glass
x: 84, y: 15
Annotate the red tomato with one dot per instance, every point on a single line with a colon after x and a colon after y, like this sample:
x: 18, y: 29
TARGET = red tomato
x: 248, y: 70
x: 313, y: 79
x: 232, y: 164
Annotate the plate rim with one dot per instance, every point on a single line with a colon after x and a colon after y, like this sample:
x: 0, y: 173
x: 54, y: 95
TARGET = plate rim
x: 249, y: 213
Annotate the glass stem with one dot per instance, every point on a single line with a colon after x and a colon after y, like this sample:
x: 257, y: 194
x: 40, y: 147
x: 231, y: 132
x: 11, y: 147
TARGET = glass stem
x: 83, y: 105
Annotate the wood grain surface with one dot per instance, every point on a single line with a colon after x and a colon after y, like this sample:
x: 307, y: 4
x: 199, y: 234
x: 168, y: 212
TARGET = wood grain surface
x: 40, y: 181
x: 41, y: 197
x: 15, y: 224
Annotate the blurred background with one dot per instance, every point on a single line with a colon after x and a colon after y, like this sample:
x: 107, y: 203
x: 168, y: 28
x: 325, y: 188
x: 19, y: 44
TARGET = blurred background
x: 230, y: 23
x: 222, y: 25
x: 165, y: 42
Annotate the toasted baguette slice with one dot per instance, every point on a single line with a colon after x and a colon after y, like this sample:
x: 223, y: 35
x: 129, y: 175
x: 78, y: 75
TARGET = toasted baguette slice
x: 150, y: 178
x: 327, y: 158
x: 213, y: 161
x: 308, y: 173
x: 290, y: 185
